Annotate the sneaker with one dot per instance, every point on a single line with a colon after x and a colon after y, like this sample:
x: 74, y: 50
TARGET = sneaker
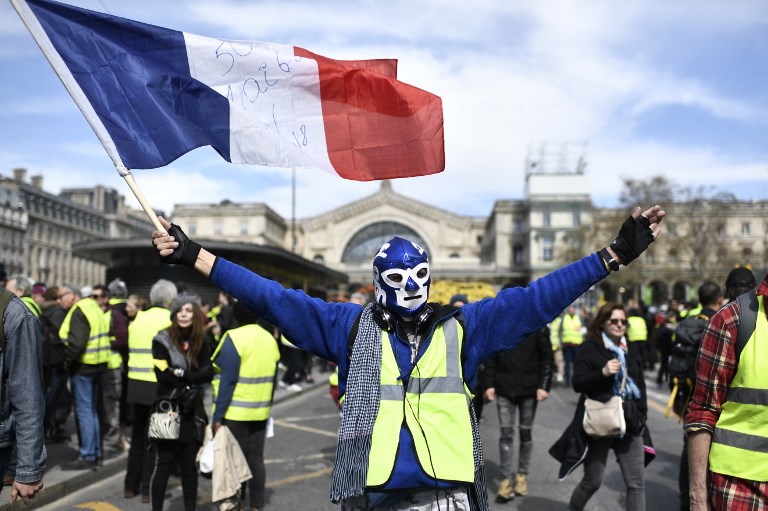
x: 521, y: 484
x: 282, y: 384
x: 505, y: 492
x: 123, y: 444
x: 79, y: 464
x: 294, y: 387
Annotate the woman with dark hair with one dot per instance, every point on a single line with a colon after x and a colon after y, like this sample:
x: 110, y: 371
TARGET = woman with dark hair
x: 182, y: 366
x: 598, y: 372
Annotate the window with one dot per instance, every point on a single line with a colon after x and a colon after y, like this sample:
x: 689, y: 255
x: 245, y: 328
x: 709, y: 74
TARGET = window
x: 745, y: 229
x: 217, y: 229
x: 746, y: 254
x: 366, y: 242
x: 548, y: 248
x: 517, y: 225
x: 192, y: 228
x: 721, y: 231
x: 672, y: 256
x: 546, y: 219
x: 576, y: 218
x: 453, y: 255
x: 518, y: 256
x: 243, y: 227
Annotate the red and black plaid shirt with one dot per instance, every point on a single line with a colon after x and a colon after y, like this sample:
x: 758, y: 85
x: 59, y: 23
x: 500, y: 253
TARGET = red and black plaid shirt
x: 715, y: 368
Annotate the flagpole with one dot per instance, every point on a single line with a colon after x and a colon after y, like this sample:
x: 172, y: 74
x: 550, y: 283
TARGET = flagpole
x: 140, y: 196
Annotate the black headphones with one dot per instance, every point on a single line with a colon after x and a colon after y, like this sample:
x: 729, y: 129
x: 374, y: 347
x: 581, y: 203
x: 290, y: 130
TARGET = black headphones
x: 387, y: 322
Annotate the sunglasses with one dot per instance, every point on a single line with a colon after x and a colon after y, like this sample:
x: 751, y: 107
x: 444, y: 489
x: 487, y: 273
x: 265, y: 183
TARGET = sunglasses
x: 616, y: 321
x: 62, y: 295
x: 96, y: 296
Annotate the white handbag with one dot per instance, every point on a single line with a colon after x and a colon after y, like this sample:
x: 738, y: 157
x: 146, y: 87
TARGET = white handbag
x: 605, y: 419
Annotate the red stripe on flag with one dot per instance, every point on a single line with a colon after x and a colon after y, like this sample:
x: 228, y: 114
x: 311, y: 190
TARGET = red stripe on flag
x: 375, y: 126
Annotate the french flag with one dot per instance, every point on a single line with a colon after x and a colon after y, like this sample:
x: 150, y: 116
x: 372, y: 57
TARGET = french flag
x: 152, y: 94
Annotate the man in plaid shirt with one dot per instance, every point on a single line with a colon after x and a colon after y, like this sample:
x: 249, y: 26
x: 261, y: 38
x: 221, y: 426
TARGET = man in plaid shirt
x: 716, y: 367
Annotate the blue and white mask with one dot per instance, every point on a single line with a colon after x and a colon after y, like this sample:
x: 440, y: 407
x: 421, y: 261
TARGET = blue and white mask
x: 401, y: 277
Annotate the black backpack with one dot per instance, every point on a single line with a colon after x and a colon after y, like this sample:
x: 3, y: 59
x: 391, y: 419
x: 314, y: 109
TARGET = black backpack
x: 685, y: 346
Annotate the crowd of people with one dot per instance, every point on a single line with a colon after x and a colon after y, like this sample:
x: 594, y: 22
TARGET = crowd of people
x: 125, y: 364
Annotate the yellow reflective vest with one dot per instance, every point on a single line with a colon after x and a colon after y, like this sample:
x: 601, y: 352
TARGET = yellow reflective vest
x: 741, y: 432
x: 140, y: 334
x: 570, y: 329
x: 434, y: 407
x: 97, y: 347
x: 31, y: 305
x: 637, y: 329
x: 115, y: 359
x: 259, y: 355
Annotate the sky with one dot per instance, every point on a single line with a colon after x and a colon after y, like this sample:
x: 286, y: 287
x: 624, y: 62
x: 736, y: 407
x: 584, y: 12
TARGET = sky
x: 642, y: 88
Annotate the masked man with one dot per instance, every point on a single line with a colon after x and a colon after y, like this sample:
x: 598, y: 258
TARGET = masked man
x: 408, y: 437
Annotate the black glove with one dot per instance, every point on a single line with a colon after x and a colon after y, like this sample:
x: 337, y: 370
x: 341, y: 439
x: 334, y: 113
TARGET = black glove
x: 187, y: 251
x: 634, y: 237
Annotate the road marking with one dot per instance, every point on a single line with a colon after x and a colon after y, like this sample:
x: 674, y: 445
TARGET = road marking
x: 300, y: 458
x: 314, y: 417
x: 293, y: 479
x: 98, y: 506
x: 305, y: 428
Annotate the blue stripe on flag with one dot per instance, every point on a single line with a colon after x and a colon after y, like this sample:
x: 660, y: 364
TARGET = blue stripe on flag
x: 139, y: 74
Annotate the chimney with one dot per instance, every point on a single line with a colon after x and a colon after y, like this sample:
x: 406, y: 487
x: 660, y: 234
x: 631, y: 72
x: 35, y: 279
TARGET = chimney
x: 19, y: 174
x: 37, y: 181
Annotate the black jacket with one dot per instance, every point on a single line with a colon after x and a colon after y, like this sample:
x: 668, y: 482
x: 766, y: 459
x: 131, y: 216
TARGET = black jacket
x: 588, y: 372
x: 519, y: 372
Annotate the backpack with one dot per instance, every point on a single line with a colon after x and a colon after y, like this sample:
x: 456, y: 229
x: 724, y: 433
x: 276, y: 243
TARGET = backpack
x: 682, y: 360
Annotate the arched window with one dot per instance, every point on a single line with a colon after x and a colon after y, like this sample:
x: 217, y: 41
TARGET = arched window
x: 364, y: 244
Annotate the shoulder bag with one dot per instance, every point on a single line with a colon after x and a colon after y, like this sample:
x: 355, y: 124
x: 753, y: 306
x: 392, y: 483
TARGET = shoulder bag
x: 165, y: 421
x: 605, y: 419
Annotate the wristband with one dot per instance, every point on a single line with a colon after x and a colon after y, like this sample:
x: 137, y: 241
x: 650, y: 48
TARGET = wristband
x: 612, y: 263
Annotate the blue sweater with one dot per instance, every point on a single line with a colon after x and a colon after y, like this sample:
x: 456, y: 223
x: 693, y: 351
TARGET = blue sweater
x: 490, y: 326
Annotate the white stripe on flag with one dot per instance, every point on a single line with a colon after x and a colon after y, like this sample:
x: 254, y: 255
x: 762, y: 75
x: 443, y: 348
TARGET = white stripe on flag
x: 274, y: 97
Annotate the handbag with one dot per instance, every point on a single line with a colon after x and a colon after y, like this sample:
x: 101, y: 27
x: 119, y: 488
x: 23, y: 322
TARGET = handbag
x: 165, y: 421
x: 605, y: 419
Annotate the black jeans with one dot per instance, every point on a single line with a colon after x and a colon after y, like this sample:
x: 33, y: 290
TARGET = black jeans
x: 140, y: 455
x: 250, y: 436
x: 172, y: 453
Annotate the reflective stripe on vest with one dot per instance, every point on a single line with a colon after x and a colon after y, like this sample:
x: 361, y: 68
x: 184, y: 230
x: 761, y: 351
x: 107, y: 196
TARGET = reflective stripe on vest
x: 570, y: 327
x: 259, y: 355
x: 31, y: 305
x: 115, y: 360
x: 97, y: 347
x: 740, y: 440
x: 637, y: 329
x: 140, y: 334
x: 435, y: 409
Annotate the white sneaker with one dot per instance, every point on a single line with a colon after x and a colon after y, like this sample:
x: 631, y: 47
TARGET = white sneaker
x: 294, y: 387
x: 282, y: 384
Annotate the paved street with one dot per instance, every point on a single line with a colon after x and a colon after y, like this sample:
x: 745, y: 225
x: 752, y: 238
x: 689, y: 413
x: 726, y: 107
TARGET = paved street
x: 300, y: 457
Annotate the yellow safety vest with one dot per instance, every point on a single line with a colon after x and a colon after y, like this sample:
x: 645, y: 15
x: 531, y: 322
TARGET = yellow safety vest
x: 553, y: 338
x: 570, y: 329
x: 97, y: 348
x: 115, y: 360
x: 741, y: 432
x: 140, y: 334
x: 434, y: 407
x: 31, y: 305
x: 259, y: 354
x: 637, y: 330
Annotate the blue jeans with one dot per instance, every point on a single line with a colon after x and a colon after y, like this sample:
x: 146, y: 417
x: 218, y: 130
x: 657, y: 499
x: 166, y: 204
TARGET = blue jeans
x: 569, y: 354
x: 85, y: 392
x: 508, y: 409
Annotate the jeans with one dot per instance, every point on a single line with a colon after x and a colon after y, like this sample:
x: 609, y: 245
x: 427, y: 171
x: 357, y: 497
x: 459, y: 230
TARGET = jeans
x: 508, y: 409
x: 569, y: 354
x: 57, y: 385
x: 141, y: 453
x: 85, y: 390
x: 173, y: 453
x: 631, y: 458
x: 250, y: 437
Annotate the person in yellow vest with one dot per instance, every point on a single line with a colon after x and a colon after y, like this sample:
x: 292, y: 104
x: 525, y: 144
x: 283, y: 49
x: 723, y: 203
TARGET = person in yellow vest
x: 245, y: 365
x: 142, y: 384
x: 408, y: 431
x: 557, y: 348
x: 21, y: 286
x: 113, y: 432
x: 726, y: 431
x: 637, y: 331
x: 86, y: 335
x: 570, y: 335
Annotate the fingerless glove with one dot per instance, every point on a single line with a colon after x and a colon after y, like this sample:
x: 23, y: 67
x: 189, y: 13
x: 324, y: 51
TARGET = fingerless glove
x: 187, y: 251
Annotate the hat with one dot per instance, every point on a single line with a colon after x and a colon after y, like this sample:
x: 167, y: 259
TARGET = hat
x: 182, y: 300
x: 243, y: 315
x: 740, y: 277
x: 459, y: 297
x: 86, y: 291
x: 39, y: 289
